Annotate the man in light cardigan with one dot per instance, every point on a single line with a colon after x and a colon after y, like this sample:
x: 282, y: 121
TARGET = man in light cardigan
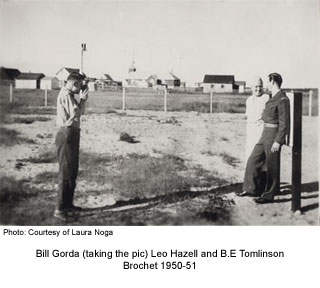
x: 255, y: 105
x: 67, y: 141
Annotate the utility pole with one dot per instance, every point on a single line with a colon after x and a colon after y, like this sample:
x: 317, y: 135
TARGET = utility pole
x: 83, y: 48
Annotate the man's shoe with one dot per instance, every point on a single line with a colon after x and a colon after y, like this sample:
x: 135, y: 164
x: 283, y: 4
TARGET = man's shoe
x: 76, y: 208
x: 74, y: 211
x: 244, y: 194
x: 60, y: 214
x: 263, y: 200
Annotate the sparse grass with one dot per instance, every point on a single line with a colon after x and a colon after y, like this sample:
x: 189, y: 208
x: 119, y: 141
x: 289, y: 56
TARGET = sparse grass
x: 10, y: 137
x: 205, y: 178
x: 218, y: 209
x: 22, y: 204
x: 197, y: 106
x: 48, y: 156
x: 143, y: 176
x: 46, y: 177
x: 133, y: 177
x: 25, y: 120
x: 11, y: 190
x: 22, y: 108
x: 95, y: 160
x: 148, y: 177
x: 227, y: 106
x: 6, y: 109
x: 230, y: 160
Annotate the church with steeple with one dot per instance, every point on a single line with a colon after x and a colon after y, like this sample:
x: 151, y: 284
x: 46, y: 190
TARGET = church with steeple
x: 134, y: 78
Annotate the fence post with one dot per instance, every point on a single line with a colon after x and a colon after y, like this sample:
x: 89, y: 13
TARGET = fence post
x: 296, y: 152
x: 46, y: 97
x: 310, y: 103
x: 211, y: 96
x: 165, y: 100
x: 123, y: 98
x: 11, y: 93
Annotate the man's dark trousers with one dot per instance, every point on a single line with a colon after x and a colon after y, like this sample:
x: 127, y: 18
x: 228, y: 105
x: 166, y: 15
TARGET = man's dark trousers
x: 67, y: 143
x: 260, y: 154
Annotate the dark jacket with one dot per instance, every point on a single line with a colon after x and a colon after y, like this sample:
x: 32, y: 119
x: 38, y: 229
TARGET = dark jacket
x: 277, y: 111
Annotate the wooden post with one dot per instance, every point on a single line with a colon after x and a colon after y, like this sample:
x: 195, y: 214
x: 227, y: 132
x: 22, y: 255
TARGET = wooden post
x: 123, y: 98
x: 211, y: 94
x: 81, y: 68
x: 165, y: 100
x: 46, y: 97
x: 296, y: 151
x: 11, y: 93
x: 310, y: 103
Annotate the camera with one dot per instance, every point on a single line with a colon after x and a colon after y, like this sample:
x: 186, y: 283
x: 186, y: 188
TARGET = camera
x: 86, y: 81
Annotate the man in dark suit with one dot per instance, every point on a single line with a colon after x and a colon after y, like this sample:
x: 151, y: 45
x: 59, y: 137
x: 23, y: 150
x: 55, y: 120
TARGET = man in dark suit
x: 276, y: 118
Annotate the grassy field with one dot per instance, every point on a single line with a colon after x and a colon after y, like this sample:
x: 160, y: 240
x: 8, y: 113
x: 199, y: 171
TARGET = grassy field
x: 28, y: 101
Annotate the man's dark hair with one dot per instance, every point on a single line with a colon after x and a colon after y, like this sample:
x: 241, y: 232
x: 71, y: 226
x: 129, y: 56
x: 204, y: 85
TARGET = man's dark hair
x: 276, y: 78
x: 74, y: 76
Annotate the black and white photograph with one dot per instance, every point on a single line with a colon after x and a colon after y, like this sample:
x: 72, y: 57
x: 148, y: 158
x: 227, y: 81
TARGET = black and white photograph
x: 159, y: 143
x: 159, y: 113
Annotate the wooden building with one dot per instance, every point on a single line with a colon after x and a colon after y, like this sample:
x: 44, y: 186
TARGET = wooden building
x: 240, y: 86
x: 9, y: 74
x: 49, y: 83
x: 218, y: 83
x: 28, y: 80
x: 168, y: 79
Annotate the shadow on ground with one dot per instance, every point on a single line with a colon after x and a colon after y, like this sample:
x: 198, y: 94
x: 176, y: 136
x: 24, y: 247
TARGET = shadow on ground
x: 204, y: 207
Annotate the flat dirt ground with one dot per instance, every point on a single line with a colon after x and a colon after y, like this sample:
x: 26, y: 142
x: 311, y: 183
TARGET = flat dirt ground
x: 214, y: 144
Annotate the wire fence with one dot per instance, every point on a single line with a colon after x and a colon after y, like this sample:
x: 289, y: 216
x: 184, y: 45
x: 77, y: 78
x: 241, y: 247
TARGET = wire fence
x: 118, y: 98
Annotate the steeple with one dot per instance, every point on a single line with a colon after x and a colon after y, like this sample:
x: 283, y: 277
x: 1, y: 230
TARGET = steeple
x: 132, y: 67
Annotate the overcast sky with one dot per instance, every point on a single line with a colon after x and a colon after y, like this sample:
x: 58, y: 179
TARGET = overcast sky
x: 191, y: 38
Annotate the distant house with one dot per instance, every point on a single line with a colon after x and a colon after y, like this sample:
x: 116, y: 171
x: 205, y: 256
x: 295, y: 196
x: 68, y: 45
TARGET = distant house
x: 28, y: 80
x: 218, y: 83
x: 9, y: 74
x: 169, y: 79
x: 63, y: 74
x: 135, y: 79
x: 92, y: 86
x: 107, y: 81
x: 153, y: 80
x: 240, y: 86
x: 49, y: 83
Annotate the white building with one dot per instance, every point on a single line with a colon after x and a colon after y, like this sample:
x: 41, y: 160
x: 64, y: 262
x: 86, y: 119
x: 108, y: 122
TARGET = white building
x: 240, y: 86
x: 28, y: 80
x: 92, y: 86
x: 168, y: 79
x: 49, y: 83
x: 218, y: 83
x: 136, y: 79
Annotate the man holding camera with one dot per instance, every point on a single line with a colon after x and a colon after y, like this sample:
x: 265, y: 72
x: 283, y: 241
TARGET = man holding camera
x: 67, y: 141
